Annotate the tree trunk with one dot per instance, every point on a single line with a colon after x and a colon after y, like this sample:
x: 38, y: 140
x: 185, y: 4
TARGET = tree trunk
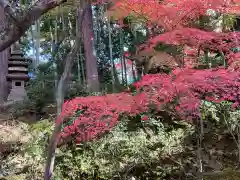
x: 90, y: 54
x: 62, y: 87
x: 61, y: 90
x: 3, y: 64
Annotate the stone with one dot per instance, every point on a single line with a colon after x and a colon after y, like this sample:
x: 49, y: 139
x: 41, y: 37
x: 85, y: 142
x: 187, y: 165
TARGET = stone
x: 17, y: 75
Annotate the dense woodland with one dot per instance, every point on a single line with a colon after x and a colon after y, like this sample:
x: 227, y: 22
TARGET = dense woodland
x: 122, y: 90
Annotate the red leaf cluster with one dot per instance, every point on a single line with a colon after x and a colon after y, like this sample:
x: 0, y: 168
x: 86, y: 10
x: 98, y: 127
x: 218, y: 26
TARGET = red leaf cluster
x: 175, y: 16
x: 196, y: 38
x: 179, y: 93
x: 171, y: 14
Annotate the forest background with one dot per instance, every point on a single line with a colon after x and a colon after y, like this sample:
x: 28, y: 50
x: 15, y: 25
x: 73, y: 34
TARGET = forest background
x: 130, y: 89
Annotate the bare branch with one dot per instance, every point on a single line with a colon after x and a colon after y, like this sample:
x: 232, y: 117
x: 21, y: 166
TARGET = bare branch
x: 26, y: 20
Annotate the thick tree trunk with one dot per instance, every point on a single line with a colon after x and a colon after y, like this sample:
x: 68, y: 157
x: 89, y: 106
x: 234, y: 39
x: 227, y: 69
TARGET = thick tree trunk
x: 90, y: 55
x: 3, y: 64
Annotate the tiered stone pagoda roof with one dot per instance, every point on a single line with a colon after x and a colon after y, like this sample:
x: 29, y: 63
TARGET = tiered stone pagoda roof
x: 17, y: 65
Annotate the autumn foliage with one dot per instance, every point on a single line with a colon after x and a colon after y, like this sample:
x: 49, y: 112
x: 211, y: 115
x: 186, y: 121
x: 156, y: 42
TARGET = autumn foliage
x: 179, y: 93
x: 176, y: 19
x: 171, y: 14
x: 199, y: 39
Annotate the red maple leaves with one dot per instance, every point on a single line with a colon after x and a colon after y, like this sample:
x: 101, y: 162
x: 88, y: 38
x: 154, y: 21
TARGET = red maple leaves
x: 196, y: 38
x: 180, y: 93
x: 176, y: 18
x: 171, y: 14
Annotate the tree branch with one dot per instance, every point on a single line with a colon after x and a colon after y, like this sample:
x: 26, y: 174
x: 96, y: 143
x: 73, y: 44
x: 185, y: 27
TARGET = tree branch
x: 62, y: 85
x: 22, y: 23
x: 9, y: 10
x: 61, y: 89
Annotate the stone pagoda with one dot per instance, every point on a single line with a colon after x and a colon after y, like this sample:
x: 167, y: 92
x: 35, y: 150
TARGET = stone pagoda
x: 17, y: 74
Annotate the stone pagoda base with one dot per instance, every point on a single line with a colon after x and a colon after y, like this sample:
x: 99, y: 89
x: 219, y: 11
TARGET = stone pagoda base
x: 17, y: 94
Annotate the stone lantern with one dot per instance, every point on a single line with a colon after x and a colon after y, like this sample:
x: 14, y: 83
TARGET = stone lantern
x: 17, y: 75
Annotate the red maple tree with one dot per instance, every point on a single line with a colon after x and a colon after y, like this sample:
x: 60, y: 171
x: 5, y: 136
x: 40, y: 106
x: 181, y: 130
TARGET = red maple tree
x: 177, y: 17
x: 180, y: 92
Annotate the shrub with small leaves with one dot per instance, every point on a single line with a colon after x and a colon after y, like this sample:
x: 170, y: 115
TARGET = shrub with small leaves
x: 179, y: 94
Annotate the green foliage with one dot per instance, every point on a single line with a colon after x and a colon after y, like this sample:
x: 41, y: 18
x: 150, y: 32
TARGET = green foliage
x: 170, y: 49
x: 121, y: 152
x: 134, y: 148
x: 227, y: 174
x: 14, y: 177
x: 117, y: 154
x: 217, y: 60
x: 40, y: 133
x: 75, y: 90
x: 223, y: 123
x: 31, y: 158
x: 39, y: 96
x: 229, y: 20
x: 222, y: 114
x: 42, y: 92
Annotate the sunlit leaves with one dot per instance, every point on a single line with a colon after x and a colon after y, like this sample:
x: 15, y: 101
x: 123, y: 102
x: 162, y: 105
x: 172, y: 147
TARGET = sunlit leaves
x: 176, y: 18
x: 169, y: 13
x: 180, y: 93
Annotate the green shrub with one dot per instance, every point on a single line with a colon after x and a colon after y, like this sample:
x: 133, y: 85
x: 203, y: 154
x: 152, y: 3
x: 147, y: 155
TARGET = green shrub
x: 121, y: 152
x: 152, y: 149
x: 31, y: 158
x: 110, y: 156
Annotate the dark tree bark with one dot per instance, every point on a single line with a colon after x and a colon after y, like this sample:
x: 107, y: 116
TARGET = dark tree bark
x: 90, y: 54
x: 22, y: 22
x: 4, y: 55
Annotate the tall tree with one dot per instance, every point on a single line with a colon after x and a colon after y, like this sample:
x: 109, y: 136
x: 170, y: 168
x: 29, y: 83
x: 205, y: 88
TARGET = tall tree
x: 3, y: 62
x: 90, y: 54
x: 61, y: 89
